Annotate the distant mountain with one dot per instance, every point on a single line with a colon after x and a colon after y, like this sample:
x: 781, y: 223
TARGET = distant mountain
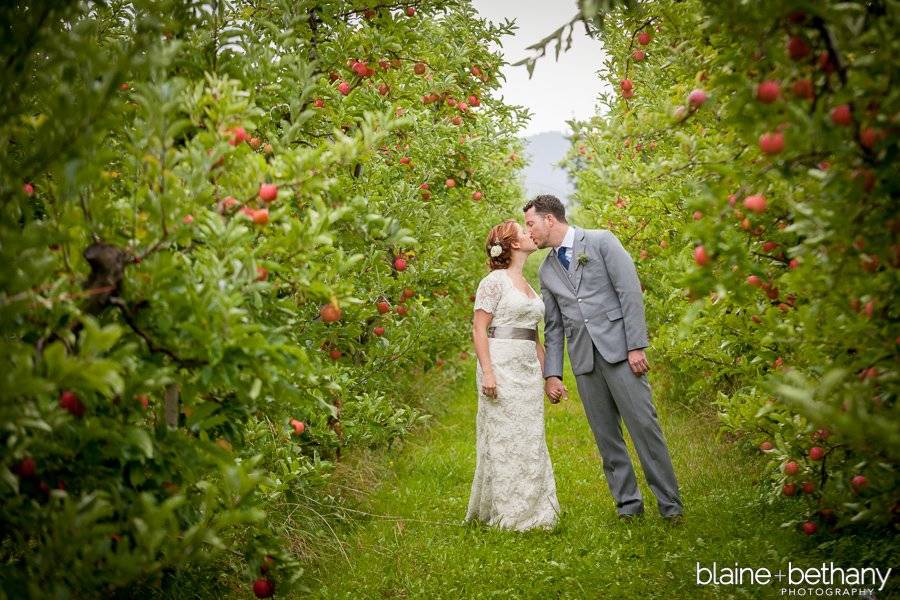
x: 543, y: 150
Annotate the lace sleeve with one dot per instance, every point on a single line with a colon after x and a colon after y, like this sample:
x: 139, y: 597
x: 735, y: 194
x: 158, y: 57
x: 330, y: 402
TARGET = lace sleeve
x: 488, y: 295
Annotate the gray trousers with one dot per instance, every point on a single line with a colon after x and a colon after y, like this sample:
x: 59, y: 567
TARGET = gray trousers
x: 612, y: 390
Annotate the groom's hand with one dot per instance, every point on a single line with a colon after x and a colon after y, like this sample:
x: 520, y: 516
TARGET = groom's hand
x: 554, y: 388
x: 637, y: 360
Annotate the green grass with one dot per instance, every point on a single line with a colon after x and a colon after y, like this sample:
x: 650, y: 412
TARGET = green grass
x: 409, y: 540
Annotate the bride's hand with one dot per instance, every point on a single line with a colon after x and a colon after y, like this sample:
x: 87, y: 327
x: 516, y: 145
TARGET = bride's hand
x: 489, y: 385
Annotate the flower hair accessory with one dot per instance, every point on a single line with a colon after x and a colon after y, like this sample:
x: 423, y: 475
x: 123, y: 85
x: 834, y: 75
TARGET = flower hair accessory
x: 496, y: 250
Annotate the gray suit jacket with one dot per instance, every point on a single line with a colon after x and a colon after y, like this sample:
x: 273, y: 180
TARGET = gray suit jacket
x: 597, y: 302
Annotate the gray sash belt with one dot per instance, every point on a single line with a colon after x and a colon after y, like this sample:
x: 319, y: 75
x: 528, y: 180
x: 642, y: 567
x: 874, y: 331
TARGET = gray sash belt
x: 515, y: 333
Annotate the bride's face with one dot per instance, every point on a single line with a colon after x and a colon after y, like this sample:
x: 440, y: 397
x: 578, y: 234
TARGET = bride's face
x: 526, y: 244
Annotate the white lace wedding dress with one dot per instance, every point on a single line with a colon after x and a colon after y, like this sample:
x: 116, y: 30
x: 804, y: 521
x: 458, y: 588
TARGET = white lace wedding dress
x: 514, y: 487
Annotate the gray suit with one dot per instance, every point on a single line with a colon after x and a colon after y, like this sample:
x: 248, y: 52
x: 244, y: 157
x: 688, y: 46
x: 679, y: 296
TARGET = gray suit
x: 598, y: 308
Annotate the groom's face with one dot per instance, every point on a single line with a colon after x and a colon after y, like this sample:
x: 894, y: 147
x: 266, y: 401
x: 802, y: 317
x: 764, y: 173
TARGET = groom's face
x: 538, y: 227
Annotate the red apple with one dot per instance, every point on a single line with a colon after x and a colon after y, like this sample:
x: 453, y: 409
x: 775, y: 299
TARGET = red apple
x: 803, y: 88
x: 188, y: 219
x: 869, y: 137
x: 755, y: 203
x: 789, y: 489
x: 229, y: 202
x: 299, y: 426
x: 319, y: 103
x: 768, y: 91
x: 457, y: 120
x: 410, y: 11
x: 772, y: 142
x: 696, y: 98
x: 400, y: 263
x: 419, y: 68
x: 754, y: 280
x: 626, y: 85
x: 791, y: 468
x: 344, y: 88
x: 26, y: 469
x: 263, y: 588
x: 261, y: 216
x: 405, y: 160
x: 827, y: 515
x: 28, y: 188
x: 809, y: 528
x: 698, y: 215
x: 330, y: 312
x: 638, y: 55
x: 238, y: 135
x: 383, y: 307
x: 859, y: 481
x: 797, y: 48
x: 473, y: 100
x: 869, y: 263
x: 383, y: 89
x: 700, y: 256
x: 476, y: 196
x: 335, y: 354
x: 268, y: 192
x: 401, y: 310
x: 379, y: 331
x: 450, y: 183
x: 769, y: 246
x: 766, y: 446
x: 808, y: 487
x: 816, y: 453
x: 69, y: 401
x: 821, y: 434
x: 644, y: 38
x: 869, y: 308
x: 842, y: 115
x: 408, y: 293
x: 794, y: 263
x: 262, y: 274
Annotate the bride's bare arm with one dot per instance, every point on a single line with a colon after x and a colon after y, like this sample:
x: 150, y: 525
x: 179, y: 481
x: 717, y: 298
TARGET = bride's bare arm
x: 540, y: 353
x: 480, y: 324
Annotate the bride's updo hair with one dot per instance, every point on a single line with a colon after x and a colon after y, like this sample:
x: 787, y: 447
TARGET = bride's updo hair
x: 503, y: 234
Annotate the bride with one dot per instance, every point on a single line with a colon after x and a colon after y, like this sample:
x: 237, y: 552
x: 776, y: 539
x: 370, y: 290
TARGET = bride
x: 514, y: 487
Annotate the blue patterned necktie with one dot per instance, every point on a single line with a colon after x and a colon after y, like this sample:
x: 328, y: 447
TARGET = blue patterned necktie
x: 561, y: 254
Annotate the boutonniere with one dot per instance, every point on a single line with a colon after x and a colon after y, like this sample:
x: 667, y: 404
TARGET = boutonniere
x: 582, y: 258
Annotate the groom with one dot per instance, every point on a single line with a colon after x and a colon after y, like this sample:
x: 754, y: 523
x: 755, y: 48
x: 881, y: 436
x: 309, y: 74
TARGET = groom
x: 592, y: 297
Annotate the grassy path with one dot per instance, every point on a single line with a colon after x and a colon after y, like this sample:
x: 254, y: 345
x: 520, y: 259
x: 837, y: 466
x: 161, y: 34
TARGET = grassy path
x: 417, y: 546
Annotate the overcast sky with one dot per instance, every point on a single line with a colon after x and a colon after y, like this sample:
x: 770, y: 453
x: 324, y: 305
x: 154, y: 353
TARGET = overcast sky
x: 557, y: 91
